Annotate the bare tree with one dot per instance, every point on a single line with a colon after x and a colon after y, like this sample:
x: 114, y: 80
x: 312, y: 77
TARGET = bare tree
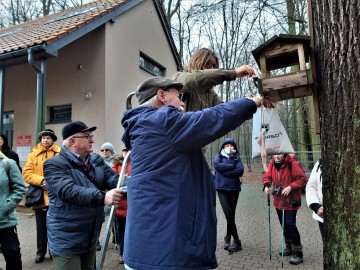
x: 337, y: 35
x: 18, y: 11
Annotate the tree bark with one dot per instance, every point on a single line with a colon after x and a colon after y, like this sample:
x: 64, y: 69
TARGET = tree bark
x: 337, y: 48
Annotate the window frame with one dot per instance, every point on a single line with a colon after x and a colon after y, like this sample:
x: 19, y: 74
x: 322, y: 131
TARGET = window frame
x: 150, y: 64
x: 56, y: 120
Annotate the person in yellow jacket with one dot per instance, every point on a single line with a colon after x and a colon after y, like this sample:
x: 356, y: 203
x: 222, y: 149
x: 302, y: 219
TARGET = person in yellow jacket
x: 33, y: 174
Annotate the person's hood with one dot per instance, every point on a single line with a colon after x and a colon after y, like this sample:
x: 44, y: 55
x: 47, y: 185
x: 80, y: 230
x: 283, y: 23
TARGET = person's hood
x: 231, y: 141
x: 129, y: 120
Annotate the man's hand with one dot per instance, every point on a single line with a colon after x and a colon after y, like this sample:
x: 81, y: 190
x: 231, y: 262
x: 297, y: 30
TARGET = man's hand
x: 260, y: 101
x: 113, y: 197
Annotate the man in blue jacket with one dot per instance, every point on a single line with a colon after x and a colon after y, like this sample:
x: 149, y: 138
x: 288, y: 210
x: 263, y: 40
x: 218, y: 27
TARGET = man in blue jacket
x: 79, y: 184
x: 171, y: 219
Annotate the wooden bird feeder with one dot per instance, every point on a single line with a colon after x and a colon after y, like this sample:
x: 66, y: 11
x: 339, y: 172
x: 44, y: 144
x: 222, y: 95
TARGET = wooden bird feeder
x: 284, y: 62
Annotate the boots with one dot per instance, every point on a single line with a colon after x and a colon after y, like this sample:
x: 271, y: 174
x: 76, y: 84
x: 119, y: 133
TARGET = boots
x: 227, y: 242
x: 288, y: 251
x: 297, y: 258
x: 235, y: 246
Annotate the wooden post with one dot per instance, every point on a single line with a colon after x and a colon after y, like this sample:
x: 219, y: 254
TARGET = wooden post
x: 313, y: 68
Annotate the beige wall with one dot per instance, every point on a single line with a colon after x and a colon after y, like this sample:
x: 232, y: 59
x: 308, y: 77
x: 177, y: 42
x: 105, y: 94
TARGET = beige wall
x: 109, y: 57
x: 139, y: 29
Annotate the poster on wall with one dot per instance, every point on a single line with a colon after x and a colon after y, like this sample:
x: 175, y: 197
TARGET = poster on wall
x: 23, y: 145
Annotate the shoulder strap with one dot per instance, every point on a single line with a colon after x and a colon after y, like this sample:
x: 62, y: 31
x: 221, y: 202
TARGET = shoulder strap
x: 6, y: 166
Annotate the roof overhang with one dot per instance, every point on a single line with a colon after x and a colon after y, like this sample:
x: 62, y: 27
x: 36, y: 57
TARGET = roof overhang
x: 52, y: 49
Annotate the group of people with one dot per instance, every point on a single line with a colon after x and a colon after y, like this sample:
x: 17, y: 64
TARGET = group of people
x: 116, y: 163
x: 171, y: 194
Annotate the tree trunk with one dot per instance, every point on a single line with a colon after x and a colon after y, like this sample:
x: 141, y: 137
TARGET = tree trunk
x: 337, y: 48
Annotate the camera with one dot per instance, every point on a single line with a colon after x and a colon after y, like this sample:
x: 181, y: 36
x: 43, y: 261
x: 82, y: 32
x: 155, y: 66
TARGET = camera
x: 276, y: 191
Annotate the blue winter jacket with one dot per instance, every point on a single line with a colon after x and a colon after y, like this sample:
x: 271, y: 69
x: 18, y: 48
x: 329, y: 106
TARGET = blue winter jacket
x: 76, y: 204
x: 228, y: 169
x: 171, y: 218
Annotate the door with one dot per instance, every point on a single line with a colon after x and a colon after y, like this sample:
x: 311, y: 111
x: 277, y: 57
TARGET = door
x: 8, y: 127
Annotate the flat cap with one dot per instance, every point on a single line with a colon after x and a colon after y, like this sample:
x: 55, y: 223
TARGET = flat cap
x: 150, y: 87
x: 75, y: 127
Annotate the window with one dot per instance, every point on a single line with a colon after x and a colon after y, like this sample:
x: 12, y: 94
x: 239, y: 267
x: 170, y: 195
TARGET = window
x: 146, y: 63
x: 60, y: 114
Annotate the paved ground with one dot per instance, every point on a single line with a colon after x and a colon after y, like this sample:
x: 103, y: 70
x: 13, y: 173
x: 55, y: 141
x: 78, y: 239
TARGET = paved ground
x: 252, y: 222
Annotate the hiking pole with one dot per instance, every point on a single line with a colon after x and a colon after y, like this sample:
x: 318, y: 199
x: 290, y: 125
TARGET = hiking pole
x: 268, y: 200
x: 282, y: 228
x: 112, y: 215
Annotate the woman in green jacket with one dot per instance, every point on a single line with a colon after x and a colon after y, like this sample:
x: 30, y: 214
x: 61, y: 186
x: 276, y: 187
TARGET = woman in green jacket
x: 12, y: 190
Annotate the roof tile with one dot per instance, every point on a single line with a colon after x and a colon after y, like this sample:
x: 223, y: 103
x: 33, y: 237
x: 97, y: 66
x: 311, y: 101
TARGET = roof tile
x: 50, y: 28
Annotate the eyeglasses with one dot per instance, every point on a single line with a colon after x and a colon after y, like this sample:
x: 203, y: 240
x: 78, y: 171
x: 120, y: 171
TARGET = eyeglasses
x: 88, y: 137
x: 179, y: 95
x: 106, y: 150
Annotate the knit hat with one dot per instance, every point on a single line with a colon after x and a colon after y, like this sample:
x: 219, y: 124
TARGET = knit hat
x: 75, y: 127
x: 47, y: 132
x: 109, y: 146
x: 150, y: 87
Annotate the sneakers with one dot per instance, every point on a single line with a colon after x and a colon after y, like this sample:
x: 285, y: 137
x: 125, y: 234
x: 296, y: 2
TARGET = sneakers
x: 227, y: 243
x: 287, y: 252
x: 297, y: 258
x: 235, y: 246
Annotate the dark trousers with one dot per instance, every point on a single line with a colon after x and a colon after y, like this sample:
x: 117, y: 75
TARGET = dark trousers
x: 290, y: 230
x: 10, y: 247
x: 321, y: 227
x: 228, y: 200
x: 41, y: 232
x: 120, y: 227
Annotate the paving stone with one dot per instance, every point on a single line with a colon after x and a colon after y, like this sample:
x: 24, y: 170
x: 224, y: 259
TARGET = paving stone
x: 252, y: 222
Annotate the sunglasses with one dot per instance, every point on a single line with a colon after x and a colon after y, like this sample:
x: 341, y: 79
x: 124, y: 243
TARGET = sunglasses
x: 106, y: 150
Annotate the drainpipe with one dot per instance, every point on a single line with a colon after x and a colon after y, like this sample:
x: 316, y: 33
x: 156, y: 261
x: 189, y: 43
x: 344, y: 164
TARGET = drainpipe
x: 40, y: 92
x: 2, y: 94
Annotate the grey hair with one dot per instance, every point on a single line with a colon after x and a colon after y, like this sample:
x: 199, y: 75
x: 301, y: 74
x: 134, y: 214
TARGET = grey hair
x: 66, y: 142
x: 151, y: 102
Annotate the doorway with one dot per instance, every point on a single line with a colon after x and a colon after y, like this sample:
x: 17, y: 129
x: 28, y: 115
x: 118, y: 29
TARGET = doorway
x: 8, y: 127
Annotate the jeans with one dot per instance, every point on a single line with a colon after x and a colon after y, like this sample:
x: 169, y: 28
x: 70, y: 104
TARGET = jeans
x: 10, y: 247
x: 290, y: 230
x: 120, y: 230
x: 228, y: 200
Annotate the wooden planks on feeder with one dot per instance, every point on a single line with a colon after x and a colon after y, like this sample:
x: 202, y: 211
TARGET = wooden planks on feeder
x: 288, y: 86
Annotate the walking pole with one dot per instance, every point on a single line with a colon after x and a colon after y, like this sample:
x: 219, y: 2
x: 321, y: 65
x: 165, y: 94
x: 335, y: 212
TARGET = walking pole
x: 268, y: 200
x: 282, y: 227
x: 111, y: 219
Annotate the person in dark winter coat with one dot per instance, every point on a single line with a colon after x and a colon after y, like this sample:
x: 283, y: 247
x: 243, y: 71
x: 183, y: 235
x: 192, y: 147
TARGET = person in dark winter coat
x: 79, y: 184
x: 287, y: 179
x: 228, y: 170
x: 171, y: 194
